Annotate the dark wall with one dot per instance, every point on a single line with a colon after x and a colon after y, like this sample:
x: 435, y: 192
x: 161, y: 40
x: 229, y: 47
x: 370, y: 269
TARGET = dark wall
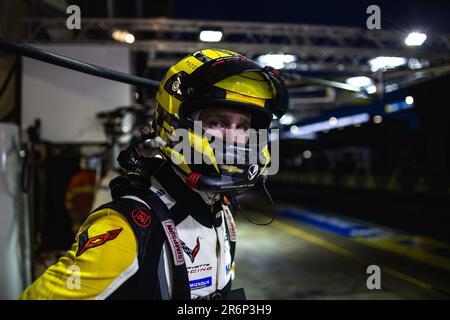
x: 432, y: 103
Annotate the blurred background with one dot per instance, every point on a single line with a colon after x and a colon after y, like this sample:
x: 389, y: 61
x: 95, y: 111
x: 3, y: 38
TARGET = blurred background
x: 364, y: 175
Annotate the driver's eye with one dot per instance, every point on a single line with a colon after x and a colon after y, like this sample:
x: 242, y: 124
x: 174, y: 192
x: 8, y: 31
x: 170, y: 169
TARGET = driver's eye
x: 215, y: 124
x: 243, y: 127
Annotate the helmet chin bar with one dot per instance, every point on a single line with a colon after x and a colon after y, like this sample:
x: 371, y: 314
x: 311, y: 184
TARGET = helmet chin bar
x: 219, y: 184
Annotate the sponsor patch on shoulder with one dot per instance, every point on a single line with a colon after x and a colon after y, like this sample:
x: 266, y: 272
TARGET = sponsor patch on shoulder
x: 85, y: 243
x: 141, y: 216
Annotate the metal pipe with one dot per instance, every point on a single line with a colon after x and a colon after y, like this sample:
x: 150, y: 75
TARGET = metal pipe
x: 74, y: 64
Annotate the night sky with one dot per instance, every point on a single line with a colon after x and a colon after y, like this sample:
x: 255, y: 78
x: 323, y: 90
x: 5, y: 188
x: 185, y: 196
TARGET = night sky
x: 397, y: 15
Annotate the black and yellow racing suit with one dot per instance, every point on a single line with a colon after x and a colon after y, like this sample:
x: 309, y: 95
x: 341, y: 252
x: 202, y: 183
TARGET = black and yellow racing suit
x: 125, y: 251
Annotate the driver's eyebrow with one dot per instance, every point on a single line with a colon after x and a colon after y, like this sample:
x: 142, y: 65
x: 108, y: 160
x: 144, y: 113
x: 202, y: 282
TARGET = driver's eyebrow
x: 226, y: 116
x: 217, y: 115
x: 242, y: 120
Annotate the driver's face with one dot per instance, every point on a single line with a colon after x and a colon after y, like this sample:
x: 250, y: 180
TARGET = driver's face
x: 226, y: 123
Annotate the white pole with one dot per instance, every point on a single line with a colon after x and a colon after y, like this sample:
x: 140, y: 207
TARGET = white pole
x: 14, y: 225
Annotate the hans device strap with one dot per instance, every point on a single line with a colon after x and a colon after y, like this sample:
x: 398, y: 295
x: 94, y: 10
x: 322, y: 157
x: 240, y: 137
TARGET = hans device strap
x: 181, y: 289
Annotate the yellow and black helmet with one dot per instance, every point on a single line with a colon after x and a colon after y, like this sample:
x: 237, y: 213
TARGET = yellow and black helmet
x: 216, y: 78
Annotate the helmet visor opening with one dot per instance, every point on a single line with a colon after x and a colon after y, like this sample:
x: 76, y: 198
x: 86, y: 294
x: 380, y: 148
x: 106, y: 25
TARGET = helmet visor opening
x: 260, y: 117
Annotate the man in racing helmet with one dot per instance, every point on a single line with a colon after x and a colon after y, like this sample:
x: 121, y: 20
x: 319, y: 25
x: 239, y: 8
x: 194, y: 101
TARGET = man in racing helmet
x: 169, y: 232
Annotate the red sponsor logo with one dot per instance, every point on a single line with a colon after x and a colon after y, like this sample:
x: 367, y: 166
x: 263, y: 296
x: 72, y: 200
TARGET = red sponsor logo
x: 86, y: 243
x: 226, y: 59
x: 142, y: 217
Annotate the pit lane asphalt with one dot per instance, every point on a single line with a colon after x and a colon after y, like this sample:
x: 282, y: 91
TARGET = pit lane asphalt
x: 290, y: 259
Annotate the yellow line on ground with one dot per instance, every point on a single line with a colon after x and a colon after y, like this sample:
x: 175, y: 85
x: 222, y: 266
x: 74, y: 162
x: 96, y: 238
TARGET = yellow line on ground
x: 342, y: 251
x: 423, y: 249
x: 393, y: 244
